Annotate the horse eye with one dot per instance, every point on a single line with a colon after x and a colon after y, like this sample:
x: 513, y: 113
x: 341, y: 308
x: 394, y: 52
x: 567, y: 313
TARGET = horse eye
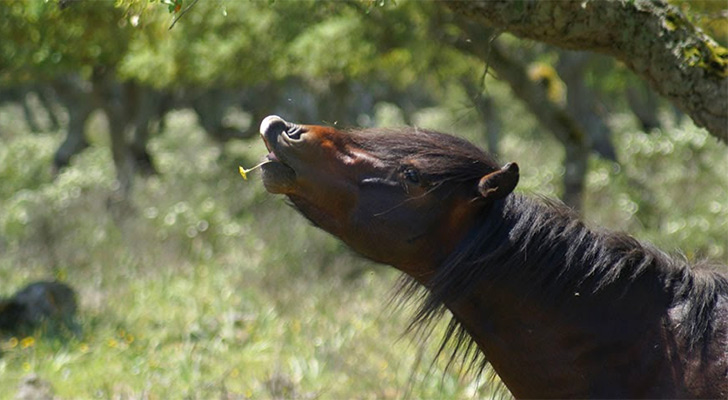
x: 411, y: 175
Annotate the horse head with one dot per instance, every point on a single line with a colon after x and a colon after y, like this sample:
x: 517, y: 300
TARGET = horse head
x: 404, y: 198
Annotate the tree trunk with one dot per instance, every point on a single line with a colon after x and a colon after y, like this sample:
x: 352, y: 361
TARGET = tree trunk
x: 644, y: 104
x: 651, y: 37
x: 147, y: 110
x: 582, y: 102
x: 75, y: 96
x: 113, y: 98
x: 576, y: 164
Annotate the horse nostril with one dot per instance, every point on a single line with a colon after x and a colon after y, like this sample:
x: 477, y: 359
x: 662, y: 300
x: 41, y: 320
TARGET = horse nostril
x: 273, y: 124
x: 294, y: 132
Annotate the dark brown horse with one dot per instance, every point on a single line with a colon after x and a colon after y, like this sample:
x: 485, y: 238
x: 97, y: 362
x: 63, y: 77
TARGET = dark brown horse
x: 558, y: 309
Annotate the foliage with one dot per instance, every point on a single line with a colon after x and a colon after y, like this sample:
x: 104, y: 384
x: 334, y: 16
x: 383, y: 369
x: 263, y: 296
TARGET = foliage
x: 222, y: 43
x: 41, y: 41
x: 247, y: 42
x: 215, y: 45
x: 684, y: 163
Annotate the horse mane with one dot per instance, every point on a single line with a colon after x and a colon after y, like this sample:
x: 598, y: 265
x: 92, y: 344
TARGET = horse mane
x: 545, y: 246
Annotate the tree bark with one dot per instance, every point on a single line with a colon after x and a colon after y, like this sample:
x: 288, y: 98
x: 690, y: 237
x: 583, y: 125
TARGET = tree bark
x: 651, y: 37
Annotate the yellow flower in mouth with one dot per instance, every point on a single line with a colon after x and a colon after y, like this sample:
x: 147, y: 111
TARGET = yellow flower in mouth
x: 244, y: 172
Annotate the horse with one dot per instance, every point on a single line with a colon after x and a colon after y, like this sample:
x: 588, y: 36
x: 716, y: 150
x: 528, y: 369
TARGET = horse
x: 557, y: 308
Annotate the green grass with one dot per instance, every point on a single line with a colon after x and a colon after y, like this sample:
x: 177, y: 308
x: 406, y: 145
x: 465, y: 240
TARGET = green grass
x: 205, y: 286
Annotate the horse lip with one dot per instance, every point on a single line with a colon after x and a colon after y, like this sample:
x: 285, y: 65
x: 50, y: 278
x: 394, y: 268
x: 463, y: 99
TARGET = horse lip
x: 276, y: 170
x: 267, y: 145
x: 274, y: 153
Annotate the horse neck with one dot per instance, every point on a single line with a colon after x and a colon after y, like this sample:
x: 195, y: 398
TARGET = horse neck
x: 541, y: 350
x: 574, y: 343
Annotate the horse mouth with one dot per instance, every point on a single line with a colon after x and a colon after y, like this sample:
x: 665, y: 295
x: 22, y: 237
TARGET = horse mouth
x: 272, y: 157
x: 275, y: 134
x: 278, y: 175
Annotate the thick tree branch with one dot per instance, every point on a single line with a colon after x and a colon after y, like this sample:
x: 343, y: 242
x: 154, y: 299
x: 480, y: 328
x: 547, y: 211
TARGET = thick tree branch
x: 652, y: 38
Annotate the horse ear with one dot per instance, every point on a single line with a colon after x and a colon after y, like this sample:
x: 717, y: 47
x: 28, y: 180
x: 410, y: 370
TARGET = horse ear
x: 500, y: 183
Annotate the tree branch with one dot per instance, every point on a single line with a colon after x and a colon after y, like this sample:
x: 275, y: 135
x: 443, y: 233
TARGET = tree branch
x: 651, y: 37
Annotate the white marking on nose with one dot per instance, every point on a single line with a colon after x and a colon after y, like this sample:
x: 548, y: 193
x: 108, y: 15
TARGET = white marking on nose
x: 269, y: 121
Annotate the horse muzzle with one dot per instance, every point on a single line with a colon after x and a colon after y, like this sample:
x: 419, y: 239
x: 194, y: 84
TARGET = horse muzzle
x: 278, y: 134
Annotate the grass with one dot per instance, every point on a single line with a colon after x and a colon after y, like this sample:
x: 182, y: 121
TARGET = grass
x: 205, y: 286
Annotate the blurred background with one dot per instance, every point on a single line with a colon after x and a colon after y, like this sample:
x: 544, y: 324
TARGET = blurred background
x: 119, y: 145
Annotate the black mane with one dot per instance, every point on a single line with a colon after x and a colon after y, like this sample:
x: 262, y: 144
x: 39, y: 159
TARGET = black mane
x: 546, y: 247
